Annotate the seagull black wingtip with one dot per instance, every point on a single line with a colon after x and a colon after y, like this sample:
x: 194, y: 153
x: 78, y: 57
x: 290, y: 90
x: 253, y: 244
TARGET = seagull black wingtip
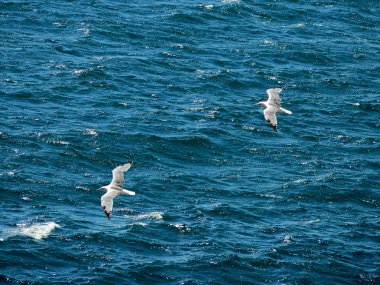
x: 107, y: 214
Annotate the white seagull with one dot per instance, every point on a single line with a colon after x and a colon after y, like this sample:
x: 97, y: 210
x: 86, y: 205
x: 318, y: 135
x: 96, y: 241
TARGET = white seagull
x: 115, y: 188
x: 272, y: 106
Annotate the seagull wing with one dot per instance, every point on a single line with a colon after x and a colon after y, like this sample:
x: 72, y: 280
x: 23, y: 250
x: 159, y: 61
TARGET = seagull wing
x: 118, y: 174
x: 273, y: 96
x: 270, y: 117
x: 107, y: 201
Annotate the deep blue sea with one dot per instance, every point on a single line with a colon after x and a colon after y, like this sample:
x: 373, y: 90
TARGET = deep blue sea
x: 171, y: 85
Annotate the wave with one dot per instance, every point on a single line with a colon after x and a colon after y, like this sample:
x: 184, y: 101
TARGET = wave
x: 231, y: 1
x: 146, y: 216
x: 39, y: 230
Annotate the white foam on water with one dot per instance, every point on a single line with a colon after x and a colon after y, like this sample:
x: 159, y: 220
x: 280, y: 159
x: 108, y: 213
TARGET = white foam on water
x: 57, y: 142
x: 85, y: 31
x: 181, y: 227
x: 231, y: 1
x: 287, y: 239
x: 79, y: 71
x: 312, y: 221
x: 38, y: 230
x: 139, y: 224
x: 301, y: 180
x: 91, y: 132
x: 206, y: 6
x: 152, y: 215
x: 269, y: 196
x: 82, y: 188
x: 9, y: 173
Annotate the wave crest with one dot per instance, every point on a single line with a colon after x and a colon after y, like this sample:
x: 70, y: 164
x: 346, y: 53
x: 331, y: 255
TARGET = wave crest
x: 39, y: 230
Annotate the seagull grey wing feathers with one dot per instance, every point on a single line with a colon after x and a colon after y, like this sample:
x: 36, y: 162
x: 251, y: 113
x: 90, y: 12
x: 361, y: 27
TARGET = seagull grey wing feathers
x: 273, y: 96
x: 107, y: 201
x: 118, y: 174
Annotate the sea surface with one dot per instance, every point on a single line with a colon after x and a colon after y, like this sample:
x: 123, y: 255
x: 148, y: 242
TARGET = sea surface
x: 171, y: 85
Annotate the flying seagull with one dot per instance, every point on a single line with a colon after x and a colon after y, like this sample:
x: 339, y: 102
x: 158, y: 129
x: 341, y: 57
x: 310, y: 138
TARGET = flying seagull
x: 272, y: 106
x: 115, y: 188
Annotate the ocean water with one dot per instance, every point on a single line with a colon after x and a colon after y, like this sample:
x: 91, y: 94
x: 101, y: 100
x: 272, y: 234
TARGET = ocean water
x: 172, y: 85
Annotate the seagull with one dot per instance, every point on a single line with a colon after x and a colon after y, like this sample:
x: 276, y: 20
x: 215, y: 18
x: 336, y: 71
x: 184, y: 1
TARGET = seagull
x: 115, y: 188
x: 272, y: 106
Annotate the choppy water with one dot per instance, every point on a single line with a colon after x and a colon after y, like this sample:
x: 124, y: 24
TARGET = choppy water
x: 171, y: 85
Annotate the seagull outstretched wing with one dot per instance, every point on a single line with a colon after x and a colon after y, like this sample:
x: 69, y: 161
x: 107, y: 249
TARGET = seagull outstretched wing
x: 107, y: 201
x: 270, y: 117
x: 118, y: 174
x: 273, y: 96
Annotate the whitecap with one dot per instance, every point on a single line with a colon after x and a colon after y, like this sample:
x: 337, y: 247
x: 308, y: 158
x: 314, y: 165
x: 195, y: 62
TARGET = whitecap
x: 231, y: 1
x: 267, y: 43
x: 8, y: 80
x: 84, y: 188
x: 91, y: 132
x: 58, y: 24
x: 178, y: 45
x: 9, y: 173
x: 269, y: 196
x: 39, y: 230
x: 287, y: 239
x: 199, y: 101
x: 178, y: 226
x: 79, y: 71
x: 196, y: 109
x: 211, y: 114
x: 301, y: 180
x: 311, y: 221
x: 168, y: 54
x: 85, y: 31
x: 57, y: 142
x: 151, y: 216
x: 298, y: 25
x: 206, y: 6
x: 139, y: 224
x: 181, y: 227
x: 248, y: 128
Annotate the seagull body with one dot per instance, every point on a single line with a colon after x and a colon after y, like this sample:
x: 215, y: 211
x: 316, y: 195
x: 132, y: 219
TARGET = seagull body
x: 272, y: 106
x: 115, y: 188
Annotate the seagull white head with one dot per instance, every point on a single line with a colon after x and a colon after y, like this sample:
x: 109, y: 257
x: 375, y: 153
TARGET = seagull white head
x: 262, y: 104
